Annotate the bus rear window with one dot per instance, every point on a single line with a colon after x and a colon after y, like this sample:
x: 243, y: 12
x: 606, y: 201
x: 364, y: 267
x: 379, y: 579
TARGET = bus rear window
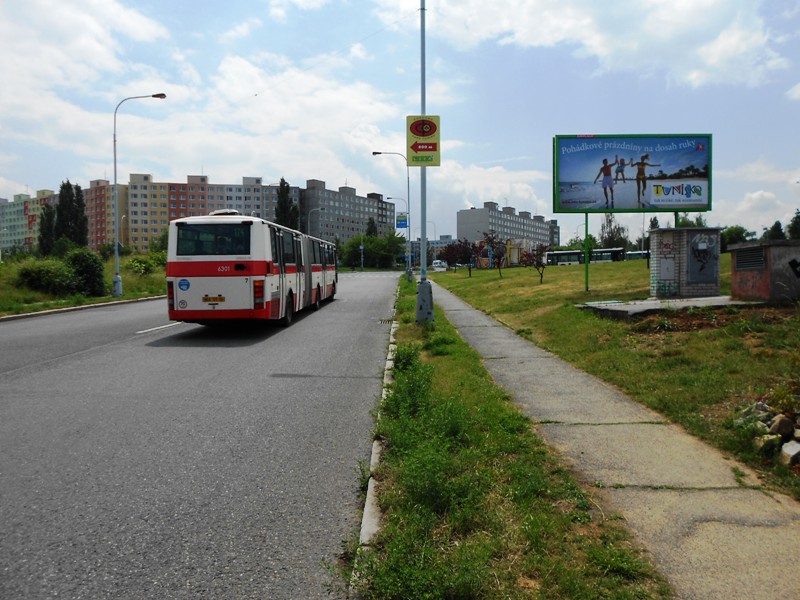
x: 213, y: 239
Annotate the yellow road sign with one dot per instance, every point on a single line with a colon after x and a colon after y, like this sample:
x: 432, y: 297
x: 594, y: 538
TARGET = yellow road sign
x: 422, y: 141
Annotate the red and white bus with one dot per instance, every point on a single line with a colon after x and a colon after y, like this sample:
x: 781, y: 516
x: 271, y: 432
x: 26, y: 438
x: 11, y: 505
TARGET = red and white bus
x: 226, y: 266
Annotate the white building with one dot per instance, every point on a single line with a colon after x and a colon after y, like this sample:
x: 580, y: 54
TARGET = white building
x: 506, y: 224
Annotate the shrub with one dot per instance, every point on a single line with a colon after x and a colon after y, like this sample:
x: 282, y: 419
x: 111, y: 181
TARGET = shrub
x: 88, y: 271
x: 141, y: 265
x: 49, y: 275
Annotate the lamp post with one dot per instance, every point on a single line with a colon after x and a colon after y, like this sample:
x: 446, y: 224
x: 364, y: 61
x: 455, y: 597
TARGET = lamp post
x: 308, y: 221
x: 408, y: 205
x: 408, y: 237
x: 116, y: 288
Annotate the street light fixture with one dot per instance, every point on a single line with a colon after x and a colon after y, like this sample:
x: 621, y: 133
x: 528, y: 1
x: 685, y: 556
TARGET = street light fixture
x: 408, y: 203
x: 116, y: 289
x: 308, y: 220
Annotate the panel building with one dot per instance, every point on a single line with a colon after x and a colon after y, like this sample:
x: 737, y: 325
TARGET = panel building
x: 506, y: 224
x: 342, y: 214
x: 19, y: 219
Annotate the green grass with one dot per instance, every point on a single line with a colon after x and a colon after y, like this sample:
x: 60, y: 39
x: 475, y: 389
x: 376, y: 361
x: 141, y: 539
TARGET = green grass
x: 14, y: 300
x: 697, y: 368
x: 475, y: 505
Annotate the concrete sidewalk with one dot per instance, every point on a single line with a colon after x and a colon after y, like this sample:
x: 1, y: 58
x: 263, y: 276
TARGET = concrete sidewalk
x: 709, y: 534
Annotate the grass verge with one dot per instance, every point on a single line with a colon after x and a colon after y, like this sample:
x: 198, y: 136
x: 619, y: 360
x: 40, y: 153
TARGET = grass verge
x: 697, y: 367
x: 475, y: 505
x: 16, y: 301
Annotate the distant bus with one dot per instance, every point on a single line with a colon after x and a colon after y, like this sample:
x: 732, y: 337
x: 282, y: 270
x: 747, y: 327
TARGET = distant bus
x: 637, y: 255
x: 576, y: 257
x: 226, y: 266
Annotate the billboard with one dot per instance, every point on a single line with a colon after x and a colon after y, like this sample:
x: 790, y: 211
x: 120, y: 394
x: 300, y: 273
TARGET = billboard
x: 401, y: 221
x: 632, y: 173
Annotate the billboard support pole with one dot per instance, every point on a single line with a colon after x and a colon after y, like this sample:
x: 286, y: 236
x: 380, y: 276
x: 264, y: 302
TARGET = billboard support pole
x: 586, y: 247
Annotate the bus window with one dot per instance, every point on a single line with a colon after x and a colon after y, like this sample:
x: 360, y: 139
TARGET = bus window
x: 211, y: 239
x: 288, y: 247
x: 317, y: 257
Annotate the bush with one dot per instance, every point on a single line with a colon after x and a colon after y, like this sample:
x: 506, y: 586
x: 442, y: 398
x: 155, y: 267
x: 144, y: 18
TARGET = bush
x: 141, y: 265
x: 88, y: 272
x: 49, y: 275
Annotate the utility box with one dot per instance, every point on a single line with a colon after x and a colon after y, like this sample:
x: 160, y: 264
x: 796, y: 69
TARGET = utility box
x: 766, y: 270
x: 684, y: 262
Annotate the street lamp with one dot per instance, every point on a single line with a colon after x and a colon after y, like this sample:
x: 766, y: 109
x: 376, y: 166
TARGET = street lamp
x: 408, y: 237
x: 308, y: 221
x: 116, y: 288
x: 408, y: 203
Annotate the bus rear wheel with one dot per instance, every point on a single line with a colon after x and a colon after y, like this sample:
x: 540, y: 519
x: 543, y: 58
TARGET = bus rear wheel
x: 318, y: 299
x: 289, y: 314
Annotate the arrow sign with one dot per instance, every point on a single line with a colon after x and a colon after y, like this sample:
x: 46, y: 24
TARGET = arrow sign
x: 424, y: 147
x: 423, y: 141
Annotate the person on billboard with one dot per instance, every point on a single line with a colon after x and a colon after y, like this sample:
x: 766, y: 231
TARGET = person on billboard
x: 641, y: 177
x: 620, y: 170
x: 608, y: 180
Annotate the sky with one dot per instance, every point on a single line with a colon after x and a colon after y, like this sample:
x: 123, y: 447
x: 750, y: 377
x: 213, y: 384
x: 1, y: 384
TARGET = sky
x: 309, y: 89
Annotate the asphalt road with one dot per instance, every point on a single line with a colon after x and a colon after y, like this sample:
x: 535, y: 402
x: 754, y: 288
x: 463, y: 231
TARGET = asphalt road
x: 140, y: 459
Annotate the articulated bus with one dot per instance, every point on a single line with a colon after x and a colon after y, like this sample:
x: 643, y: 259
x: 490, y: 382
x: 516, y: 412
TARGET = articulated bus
x: 576, y: 257
x: 226, y: 266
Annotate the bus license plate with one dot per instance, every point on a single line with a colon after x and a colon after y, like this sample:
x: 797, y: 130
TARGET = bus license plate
x: 213, y: 298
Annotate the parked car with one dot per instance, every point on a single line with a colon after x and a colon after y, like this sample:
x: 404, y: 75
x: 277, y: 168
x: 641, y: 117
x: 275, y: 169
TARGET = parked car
x: 439, y: 264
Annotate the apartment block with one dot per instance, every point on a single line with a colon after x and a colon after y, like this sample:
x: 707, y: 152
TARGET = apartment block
x: 19, y: 219
x: 506, y: 224
x: 342, y: 214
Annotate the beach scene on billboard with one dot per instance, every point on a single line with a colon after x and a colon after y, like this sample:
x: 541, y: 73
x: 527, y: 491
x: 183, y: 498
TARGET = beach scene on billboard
x: 637, y: 173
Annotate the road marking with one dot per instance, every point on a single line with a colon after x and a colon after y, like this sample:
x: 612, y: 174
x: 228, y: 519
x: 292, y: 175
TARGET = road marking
x: 157, y: 328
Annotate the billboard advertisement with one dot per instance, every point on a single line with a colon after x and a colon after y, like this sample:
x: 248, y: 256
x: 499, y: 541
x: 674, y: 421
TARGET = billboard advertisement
x: 632, y: 173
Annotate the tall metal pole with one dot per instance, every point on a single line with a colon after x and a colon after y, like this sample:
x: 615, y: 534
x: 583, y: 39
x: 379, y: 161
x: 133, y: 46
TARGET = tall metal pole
x: 424, y: 291
x: 116, y: 288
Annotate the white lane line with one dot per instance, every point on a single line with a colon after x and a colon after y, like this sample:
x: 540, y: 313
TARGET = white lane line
x: 157, y: 328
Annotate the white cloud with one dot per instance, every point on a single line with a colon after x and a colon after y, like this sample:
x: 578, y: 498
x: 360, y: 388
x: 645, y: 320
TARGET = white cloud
x: 242, y: 30
x: 794, y: 92
x: 279, y: 9
x: 695, y: 42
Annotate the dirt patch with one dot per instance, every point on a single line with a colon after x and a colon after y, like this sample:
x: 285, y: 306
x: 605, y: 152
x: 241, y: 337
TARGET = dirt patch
x: 708, y: 318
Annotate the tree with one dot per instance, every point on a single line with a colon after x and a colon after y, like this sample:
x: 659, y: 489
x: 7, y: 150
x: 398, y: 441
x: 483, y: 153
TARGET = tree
x: 160, y: 243
x: 612, y: 234
x: 286, y: 211
x: 536, y: 258
x: 47, y: 231
x: 495, y: 249
x: 71, y: 220
x: 685, y: 221
x: 793, y: 230
x: 774, y: 233
x: 372, y: 228
x: 735, y: 234
x: 379, y: 252
x: 460, y: 252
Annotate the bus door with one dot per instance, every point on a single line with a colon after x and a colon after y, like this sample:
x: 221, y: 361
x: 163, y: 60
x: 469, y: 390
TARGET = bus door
x: 302, y: 268
x: 276, y: 286
x: 309, y: 260
x: 291, y: 277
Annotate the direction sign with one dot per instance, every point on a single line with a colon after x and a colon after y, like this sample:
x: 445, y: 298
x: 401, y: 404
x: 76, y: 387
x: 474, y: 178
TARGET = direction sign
x: 422, y: 141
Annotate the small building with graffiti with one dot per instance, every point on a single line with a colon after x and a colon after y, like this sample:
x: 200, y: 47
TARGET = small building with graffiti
x: 684, y: 262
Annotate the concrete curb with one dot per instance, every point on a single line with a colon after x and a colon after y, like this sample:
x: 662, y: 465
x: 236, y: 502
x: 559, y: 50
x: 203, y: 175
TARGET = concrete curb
x: 370, y: 520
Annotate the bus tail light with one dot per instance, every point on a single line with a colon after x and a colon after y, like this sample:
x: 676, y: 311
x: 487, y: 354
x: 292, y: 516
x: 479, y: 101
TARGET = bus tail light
x: 171, y: 295
x: 258, y: 294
